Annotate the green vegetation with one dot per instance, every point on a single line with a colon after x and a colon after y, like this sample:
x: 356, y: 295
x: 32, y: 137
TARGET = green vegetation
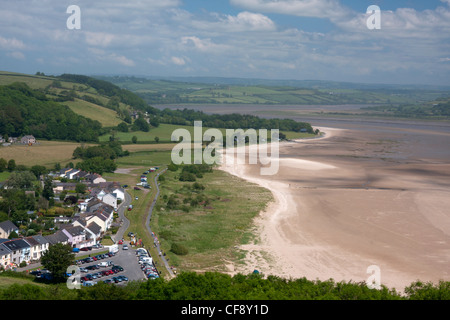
x: 275, y: 92
x: 207, y: 217
x: 217, y: 286
x: 57, y: 259
x: 27, y: 111
x: 437, y: 109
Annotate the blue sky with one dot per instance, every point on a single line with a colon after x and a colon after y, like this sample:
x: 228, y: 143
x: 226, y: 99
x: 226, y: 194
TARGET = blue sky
x: 271, y: 39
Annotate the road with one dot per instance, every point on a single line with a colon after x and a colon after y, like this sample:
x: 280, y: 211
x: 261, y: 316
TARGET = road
x: 125, y: 222
x: 147, y: 225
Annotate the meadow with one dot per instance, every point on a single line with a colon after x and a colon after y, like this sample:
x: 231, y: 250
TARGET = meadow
x: 45, y: 153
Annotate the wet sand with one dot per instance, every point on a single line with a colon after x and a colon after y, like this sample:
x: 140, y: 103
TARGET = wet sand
x: 356, y: 198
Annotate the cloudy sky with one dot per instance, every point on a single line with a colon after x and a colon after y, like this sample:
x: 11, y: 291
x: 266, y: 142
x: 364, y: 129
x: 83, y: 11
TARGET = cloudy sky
x: 271, y: 39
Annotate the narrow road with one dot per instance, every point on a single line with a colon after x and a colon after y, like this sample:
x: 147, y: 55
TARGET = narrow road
x: 125, y: 222
x: 147, y: 225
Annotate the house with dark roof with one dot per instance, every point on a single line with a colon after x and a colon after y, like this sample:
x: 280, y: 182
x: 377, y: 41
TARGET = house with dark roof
x: 57, y: 237
x: 38, y: 245
x: 6, y: 228
x: 28, y: 139
x: 76, y: 235
x: 5, y: 256
x: 20, y: 250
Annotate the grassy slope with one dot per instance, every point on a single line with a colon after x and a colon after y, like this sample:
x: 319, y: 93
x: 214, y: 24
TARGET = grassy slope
x: 106, y: 117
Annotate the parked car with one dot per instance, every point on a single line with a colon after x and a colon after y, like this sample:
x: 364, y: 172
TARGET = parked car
x: 88, y: 283
x: 125, y: 247
x: 107, y: 281
x: 123, y: 278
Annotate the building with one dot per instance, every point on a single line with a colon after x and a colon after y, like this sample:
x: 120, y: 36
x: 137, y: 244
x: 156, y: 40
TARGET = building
x: 38, y: 245
x: 57, y: 237
x: 5, y: 256
x: 20, y: 251
x: 6, y: 228
x: 28, y: 140
x: 76, y: 235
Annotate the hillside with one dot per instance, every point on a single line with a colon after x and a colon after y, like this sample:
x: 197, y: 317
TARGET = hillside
x: 271, y: 92
x: 94, y: 99
x: 29, y: 112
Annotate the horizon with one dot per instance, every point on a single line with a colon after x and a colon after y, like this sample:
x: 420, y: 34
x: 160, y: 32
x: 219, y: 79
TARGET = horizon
x: 286, y: 40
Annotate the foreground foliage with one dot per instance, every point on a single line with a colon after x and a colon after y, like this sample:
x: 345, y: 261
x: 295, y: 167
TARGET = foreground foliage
x: 217, y: 286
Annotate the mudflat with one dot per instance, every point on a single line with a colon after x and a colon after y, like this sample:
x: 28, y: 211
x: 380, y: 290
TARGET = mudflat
x: 360, y: 196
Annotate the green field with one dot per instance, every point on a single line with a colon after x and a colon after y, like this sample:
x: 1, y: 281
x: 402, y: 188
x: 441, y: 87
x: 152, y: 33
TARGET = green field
x: 274, y: 92
x: 210, y: 232
x: 107, y: 117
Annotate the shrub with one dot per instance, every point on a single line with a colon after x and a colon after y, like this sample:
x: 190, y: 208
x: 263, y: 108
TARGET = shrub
x: 179, y: 249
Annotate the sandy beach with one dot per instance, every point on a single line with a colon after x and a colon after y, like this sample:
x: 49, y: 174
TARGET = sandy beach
x: 350, y: 200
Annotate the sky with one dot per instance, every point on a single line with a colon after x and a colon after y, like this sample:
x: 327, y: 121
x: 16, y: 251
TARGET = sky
x: 264, y: 39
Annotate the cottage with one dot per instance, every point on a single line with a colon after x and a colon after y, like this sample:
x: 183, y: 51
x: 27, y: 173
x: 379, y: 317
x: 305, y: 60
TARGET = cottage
x: 20, y: 251
x: 28, y: 140
x: 75, y: 234
x: 6, y: 228
x: 57, y: 237
x: 5, y: 255
x: 94, y: 178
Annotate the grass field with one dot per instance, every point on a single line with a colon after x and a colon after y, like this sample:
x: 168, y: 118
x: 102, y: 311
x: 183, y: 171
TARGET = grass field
x: 45, y: 153
x: 209, y: 233
x: 107, y: 117
x: 4, y: 175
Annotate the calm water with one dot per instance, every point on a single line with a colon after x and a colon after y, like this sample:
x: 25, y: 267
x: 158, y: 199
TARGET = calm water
x: 417, y: 139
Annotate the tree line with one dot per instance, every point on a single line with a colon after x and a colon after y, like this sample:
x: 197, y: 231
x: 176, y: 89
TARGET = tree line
x: 228, y: 121
x: 216, y: 286
x: 24, y: 111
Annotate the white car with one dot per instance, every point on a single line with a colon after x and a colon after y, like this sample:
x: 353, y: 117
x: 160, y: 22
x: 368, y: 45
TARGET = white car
x: 125, y: 247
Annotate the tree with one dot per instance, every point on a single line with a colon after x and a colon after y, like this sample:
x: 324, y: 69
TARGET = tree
x: 80, y: 188
x: 38, y: 170
x: 157, y: 139
x: 21, y: 180
x: 11, y: 165
x: 134, y: 139
x: 48, y: 193
x: 122, y: 127
x: 3, y: 164
x: 140, y: 124
x: 57, y: 259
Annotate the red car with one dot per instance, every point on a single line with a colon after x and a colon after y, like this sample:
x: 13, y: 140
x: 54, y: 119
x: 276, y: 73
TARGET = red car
x: 120, y: 241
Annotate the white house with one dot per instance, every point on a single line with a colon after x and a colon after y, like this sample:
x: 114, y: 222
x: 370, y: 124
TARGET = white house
x: 120, y: 193
x: 110, y: 199
x: 6, y: 228
x: 76, y: 235
x: 38, y: 245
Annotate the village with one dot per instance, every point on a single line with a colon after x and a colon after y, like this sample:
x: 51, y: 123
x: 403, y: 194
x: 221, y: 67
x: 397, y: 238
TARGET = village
x: 94, y: 214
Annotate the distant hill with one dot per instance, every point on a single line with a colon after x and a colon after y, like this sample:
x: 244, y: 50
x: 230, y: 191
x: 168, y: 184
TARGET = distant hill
x: 209, y: 90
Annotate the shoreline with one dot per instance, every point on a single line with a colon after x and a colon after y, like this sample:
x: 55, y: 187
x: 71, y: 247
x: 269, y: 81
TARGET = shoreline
x: 288, y: 244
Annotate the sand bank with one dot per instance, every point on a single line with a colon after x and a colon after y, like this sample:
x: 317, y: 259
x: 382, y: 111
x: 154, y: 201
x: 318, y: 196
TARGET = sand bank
x: 341, y: 207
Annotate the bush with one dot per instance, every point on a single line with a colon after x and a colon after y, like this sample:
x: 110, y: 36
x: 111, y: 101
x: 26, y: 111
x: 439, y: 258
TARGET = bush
x: 179, y: 249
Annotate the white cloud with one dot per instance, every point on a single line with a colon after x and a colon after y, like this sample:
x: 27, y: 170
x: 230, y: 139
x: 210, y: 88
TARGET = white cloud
x: 178, y: 61
x: 101, y: 39
x: 17, y: 55
x: 250, y: 21
x: 11, y: 43
x: 122, y: 60
x: 330, y: 9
